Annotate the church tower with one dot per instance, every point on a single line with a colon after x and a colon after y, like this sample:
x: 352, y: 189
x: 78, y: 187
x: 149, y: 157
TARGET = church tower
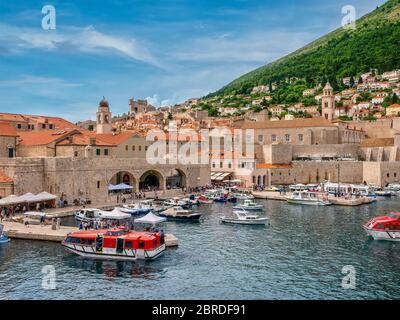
x: 103, y: 117
x: 328, y: 102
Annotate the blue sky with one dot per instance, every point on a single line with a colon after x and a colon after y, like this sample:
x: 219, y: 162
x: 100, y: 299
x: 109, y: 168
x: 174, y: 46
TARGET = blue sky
x: 165, y: 51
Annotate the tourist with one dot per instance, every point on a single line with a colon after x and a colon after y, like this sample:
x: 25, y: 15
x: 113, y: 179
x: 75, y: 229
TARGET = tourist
x: 80, y: 226
x: 58, y: 223
x: 42, y: 220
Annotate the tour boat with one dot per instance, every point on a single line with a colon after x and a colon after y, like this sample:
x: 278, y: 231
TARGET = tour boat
x: 244, y: 217
x: 116, y: 244
x: 3, y: 238
x: 176, y: 202
x: 384, y: 228
x: 249, y: 205
x: 307, y: 198
x: 179, y: 214
x: 88, y: 215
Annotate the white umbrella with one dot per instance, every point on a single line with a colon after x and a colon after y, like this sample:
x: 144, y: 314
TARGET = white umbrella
x: 116, y: 214
x: 45, y: 196
x: 12, y: 199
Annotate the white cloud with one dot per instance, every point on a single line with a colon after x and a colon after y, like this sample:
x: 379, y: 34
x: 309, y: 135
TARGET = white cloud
x: 34, y: 80
x: 87, y: 40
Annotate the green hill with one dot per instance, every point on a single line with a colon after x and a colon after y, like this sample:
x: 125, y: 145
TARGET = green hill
x: 375, y: 43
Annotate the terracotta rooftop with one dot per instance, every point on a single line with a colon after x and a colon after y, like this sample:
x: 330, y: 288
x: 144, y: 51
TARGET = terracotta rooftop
x: 4, y: 178
x: 42, y: 137
x: 7, y: 130
x: 58, y: 122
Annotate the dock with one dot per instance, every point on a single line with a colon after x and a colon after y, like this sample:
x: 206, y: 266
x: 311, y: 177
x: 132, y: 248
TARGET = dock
x: 15, y: 230
x: 269, y: 195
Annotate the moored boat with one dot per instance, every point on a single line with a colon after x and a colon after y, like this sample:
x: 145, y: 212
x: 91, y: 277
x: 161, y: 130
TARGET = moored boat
x: 179, y: 214
x: 3, y: 238
x: 249, y: 205
x: 385, y: 227
x: 204, y: 200
x: 116, y: 244
x: 88, y: 215
x: 244, y: 217
x: 308, y: 198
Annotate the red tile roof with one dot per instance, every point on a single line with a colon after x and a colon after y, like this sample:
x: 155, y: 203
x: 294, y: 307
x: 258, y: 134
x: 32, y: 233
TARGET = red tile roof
x: 42, y: 137
x: 7, y: 130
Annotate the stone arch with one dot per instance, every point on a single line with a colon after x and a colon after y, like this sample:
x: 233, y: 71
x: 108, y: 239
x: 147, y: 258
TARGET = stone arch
x: 176, y: 179
x: 123, y: 176
x: 151, y: 180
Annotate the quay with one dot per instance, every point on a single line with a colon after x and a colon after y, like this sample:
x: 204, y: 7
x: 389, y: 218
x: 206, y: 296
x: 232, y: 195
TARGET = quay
x: 269, y: 195
x: 15, y: 230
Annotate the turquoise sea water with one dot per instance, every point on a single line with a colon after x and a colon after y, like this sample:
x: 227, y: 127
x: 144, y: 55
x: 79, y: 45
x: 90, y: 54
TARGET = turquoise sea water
x: 299, y: 256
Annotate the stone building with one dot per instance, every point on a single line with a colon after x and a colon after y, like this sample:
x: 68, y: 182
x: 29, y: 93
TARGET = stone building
x: 328, y: 102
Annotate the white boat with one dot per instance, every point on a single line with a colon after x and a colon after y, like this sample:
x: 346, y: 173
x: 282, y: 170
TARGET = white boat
x: 179, y: 214
x: 307, y: 198
x: 3, y: 238
x: 243, y: 196
x: 139, y: 208
x: 87, y: 215
x: 175, y: 202
x: 249, y: 205
x: 244, y: 217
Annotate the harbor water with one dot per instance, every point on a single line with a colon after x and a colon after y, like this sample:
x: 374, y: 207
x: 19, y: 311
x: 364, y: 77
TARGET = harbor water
x: 301, y: 255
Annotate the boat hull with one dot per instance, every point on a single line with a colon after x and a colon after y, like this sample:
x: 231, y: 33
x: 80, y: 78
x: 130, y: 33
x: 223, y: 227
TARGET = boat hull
x: 261, y: 208
x: 308, y: 203
x: 4, y: 240
x: 383, y: 235
x: 193, y: 217
x: 258, y: 222
x: 110, y: 254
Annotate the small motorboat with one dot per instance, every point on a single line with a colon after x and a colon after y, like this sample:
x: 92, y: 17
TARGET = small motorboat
x: 204, y: 200
x: 137, y: 209
x: 179, y: 214
x: 308, y: 198
x: 176, y: 202
x: 3, y: 238
x: 383, y: 193
x: 88, y: 215
x: 244, y: 217
x: 384, y: 228
x: 243, y: 196
x: 249, y: 205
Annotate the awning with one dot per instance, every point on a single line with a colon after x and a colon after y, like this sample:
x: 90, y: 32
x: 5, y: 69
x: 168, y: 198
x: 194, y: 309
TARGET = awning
x: 151, y: 218
x: 119, y: 187
x: 44, y: 196
x: 116, y: 214
x: 219, y: 176
x: 10, y: 200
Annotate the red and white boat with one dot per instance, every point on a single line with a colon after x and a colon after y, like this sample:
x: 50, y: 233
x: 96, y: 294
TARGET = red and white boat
x: 384, y: 228
x: 116, y: 244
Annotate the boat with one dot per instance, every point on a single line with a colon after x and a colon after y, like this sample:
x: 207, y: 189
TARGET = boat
x: 385, y: 227
x: 176, y: 202
x: 204, y: 200
x: 139, y: 208
x: 3, y: 238
x: 308, y: 198
x: 244, y: 217
x: 116, y: 244
x: 220, y: 199
x: 383, y: 193
x: 88, y: 215
x: 249, y: 205
x: 243, y: 196
x: 179, y: 214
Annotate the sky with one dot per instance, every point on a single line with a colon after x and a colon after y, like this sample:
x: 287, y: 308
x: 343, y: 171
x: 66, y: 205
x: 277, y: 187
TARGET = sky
x: 164, y: 51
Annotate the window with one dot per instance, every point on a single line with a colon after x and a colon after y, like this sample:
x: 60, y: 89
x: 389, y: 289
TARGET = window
x: 128, y: 244
x: 50, y: 126
x: 76, y: 153
x: 273, y: 138
x: 126, y: 148
x: 133, y: 148
x: 287, y: 137
x: 260, y: 138
x: 98, y: 184
x: 141, y: 244
x: 43, y: 126
x: 301, y: 137
x: 213, y: 164
x: 98, y: 152
x: 106, y: 152
x: 229, y: 165
x: 220, y: 164
x: 145, y: 148
x: 11, y: 152
x: 395, y: 174
x: 140, y: 148
x: 19, y: 126
x: 388, y: 175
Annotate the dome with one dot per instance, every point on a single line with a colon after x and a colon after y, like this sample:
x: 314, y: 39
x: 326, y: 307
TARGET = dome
x: 104, y: 103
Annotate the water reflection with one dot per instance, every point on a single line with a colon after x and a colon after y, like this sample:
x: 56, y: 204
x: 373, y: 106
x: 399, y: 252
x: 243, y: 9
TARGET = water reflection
x: 114, y: 269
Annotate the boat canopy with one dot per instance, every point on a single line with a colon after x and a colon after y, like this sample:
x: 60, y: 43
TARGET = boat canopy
x: 116, y: 214
x: 119, y: 187
x: 151, y: 218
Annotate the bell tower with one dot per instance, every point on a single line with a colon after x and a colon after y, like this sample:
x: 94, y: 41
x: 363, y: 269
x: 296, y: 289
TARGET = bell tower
x: 103, y: 117
x: 328, y: 102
